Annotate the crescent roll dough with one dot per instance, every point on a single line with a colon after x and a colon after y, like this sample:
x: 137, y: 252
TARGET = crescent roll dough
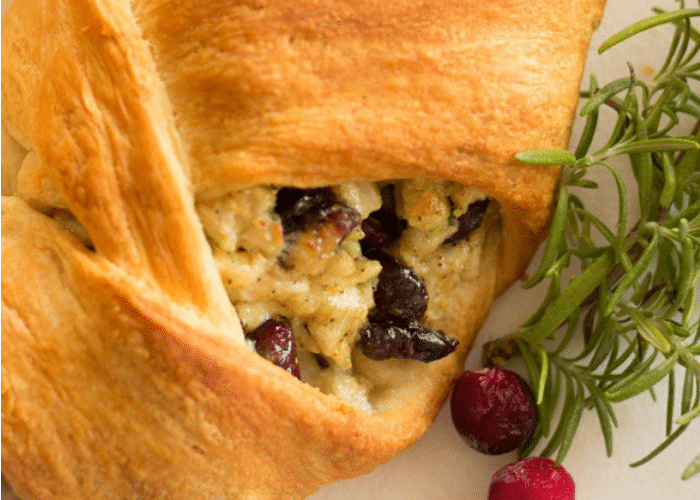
x: 126, y: 372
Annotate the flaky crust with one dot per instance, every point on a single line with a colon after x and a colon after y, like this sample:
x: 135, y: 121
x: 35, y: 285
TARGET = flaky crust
x: 124, y: 372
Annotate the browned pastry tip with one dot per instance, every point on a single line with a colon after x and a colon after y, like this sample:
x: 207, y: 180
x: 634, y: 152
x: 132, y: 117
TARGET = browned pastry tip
x: 125, y: 372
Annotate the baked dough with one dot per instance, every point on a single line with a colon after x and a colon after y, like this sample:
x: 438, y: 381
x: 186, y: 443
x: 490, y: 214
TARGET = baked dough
x: 125, y: 372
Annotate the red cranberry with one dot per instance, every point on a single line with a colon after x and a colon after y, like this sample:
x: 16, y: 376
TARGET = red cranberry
x: 532, y: 478
x: 493, y: 410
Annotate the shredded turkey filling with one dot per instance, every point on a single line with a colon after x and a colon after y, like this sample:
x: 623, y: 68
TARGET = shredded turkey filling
x: 318, y: 274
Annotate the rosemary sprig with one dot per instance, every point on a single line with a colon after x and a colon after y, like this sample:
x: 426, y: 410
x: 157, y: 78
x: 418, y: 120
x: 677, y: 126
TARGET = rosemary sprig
x: 635, y: 296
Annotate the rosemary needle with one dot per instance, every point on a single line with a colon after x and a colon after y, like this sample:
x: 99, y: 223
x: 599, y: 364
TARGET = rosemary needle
x: 636, y: 295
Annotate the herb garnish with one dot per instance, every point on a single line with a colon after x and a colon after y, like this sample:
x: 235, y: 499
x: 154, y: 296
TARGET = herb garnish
x: 635, y: 296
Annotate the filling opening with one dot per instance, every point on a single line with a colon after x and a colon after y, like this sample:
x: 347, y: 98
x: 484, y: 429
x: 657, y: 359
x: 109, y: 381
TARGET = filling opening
x: 325, y: 278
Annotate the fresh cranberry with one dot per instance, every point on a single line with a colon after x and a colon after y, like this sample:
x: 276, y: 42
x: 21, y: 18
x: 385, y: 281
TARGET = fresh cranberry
x: 532, y: 478
x: 493, y: 410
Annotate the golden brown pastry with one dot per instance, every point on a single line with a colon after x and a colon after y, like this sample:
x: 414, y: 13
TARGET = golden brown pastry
x: 136, y: 138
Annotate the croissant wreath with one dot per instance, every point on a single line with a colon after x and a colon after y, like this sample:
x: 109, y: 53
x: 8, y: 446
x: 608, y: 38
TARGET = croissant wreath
x: 246, y: 245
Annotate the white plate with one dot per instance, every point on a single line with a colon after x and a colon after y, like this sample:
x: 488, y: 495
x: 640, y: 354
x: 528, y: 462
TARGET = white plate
x: 441, y: 467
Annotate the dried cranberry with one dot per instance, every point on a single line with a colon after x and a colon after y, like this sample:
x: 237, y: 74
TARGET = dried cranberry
x: 296, y: 202
x: 375, y: 235
x: 406, y: 341
x: 399, y: 294
x: 321, y: 361
x: 469, y: 221
x: 274, y: 341
x: 342, y: 217
x: 383, y: 227
x: 532, y: 478
x: 493, y: 410
x: 300, y: 208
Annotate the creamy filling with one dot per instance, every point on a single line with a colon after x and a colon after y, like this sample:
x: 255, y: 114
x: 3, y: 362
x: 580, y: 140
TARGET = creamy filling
x: 311, y: 271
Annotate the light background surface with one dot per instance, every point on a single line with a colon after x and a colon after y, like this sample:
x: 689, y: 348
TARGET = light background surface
x: 441, y: 467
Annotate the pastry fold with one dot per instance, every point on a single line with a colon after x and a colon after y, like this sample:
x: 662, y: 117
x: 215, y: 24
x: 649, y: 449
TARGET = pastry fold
x: 125, y: 372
